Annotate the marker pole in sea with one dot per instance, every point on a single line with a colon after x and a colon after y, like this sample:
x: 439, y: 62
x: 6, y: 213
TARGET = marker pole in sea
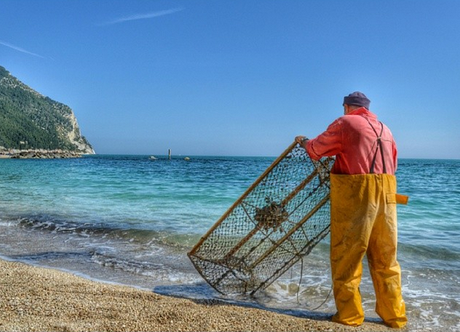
x: 169, y: 154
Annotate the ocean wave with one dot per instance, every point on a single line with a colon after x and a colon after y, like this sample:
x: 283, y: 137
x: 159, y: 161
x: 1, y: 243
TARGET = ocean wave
x: 50, y: 224
x: 132, y: 266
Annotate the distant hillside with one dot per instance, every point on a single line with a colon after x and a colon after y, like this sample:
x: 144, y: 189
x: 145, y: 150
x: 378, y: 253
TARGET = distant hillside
x: 29, y: 120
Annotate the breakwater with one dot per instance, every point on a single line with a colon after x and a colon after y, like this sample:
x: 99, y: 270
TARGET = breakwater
x: 39, y: 154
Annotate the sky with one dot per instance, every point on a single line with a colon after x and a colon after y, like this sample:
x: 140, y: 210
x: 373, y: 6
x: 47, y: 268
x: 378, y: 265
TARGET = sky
x: 239, y: 77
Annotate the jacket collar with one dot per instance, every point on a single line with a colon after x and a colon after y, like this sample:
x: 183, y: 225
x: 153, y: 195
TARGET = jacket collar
x: 362, y: 111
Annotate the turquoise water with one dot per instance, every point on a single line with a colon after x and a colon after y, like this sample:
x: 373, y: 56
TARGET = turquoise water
x: 130, y: 220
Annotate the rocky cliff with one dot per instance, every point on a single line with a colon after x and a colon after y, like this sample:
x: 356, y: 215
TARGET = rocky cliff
x: 31, y: 121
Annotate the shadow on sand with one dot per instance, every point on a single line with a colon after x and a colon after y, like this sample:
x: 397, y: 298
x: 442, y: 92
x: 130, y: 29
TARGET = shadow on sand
x: 202, y: 293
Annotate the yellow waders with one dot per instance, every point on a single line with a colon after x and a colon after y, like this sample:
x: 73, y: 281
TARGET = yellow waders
x: 363, y: 221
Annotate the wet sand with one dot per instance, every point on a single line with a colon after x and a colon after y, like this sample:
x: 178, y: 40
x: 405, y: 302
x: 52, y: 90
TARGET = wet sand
x: 40, y: 299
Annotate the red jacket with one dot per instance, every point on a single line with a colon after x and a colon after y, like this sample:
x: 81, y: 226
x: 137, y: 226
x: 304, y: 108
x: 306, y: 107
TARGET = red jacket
x: 352, y: 139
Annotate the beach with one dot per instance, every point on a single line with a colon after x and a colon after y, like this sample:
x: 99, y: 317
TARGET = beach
x: 41, y: 299
x: 127, y: 220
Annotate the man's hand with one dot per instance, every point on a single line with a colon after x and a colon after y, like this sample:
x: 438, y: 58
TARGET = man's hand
x: 301, y: 140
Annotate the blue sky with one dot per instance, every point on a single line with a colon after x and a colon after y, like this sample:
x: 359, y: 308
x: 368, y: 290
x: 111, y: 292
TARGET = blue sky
x: 239, y: 77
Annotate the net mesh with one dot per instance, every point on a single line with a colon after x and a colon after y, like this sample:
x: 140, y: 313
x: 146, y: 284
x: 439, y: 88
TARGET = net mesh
x: 276, y: 222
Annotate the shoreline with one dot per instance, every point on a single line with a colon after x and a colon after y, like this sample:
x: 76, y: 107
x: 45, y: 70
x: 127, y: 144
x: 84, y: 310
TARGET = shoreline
x: 38, y: 154
x: 38, y: 299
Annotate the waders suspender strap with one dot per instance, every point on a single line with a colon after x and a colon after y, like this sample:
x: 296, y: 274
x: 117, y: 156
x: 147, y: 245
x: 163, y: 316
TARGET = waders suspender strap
x: 379, y: 146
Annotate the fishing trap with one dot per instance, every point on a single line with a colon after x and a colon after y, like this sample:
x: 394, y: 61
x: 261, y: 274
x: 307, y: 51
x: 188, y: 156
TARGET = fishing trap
x: 278, y: 220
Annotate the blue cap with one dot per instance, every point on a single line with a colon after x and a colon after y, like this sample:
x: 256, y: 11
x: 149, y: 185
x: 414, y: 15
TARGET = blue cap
x: 357, y: 98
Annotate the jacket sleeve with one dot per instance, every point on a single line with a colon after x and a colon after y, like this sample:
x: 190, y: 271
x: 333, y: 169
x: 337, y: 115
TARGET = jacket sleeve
x: 329, y: 143
x: 395, y: 155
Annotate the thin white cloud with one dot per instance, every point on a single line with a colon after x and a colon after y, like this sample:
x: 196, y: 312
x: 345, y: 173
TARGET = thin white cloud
x: 16, y: 48
x: 144, y: 16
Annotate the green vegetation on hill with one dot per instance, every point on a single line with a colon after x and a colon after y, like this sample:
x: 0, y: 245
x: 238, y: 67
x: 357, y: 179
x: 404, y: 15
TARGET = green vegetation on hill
x: 29, y: 120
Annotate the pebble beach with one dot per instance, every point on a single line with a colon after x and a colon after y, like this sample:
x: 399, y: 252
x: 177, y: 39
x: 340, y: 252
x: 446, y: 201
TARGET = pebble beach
x: 127, y: 220
x: 41, y: 299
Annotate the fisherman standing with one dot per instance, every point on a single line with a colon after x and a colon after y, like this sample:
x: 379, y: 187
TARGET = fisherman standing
x: 363, y: 211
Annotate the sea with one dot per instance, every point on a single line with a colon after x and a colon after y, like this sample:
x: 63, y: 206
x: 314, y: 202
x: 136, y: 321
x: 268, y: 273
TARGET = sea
x: 131, y: 220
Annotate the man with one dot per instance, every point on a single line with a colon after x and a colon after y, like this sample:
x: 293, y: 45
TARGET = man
x: 363, y: 211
